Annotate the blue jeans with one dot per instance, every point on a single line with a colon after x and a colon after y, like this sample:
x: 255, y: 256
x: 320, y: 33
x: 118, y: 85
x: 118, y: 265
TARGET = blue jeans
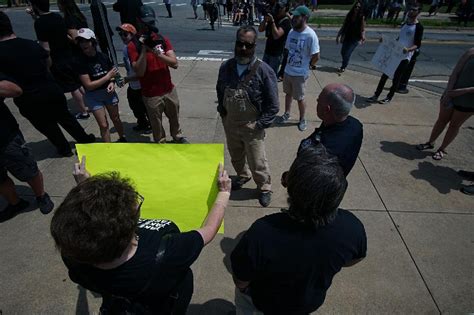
x: 348, y: 47
x: 273, y: 61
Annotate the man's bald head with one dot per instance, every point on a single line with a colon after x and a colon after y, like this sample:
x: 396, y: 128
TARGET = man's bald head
x: 337, y: 99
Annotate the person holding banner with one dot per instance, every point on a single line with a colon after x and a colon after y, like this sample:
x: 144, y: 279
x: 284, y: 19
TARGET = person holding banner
x: 247, y: 93
x: 139, y: 266
x: 410, y: 37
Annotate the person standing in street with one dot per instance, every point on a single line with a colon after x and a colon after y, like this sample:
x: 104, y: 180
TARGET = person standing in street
x: 128, y: 34
x: 351, y: 34
x: 97, y: 74
x: 303, y: 54
x: 247, y: 94
x: 129, y: 10
x: 43, y: 102
x: 410, y: 37
x: 16, y: 158
x: 168, y: 8
x: 276, y: 26
x: 52, y: 34
x: 151, y: 56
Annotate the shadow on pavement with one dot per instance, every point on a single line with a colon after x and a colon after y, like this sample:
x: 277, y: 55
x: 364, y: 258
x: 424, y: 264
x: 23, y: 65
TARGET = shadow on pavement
x: 404, y: 150
x: 287, y: 124
x: 326, y: 69
x: 244, y: 194
x: 43, y: 150
x: 443, y: 178
x: 361, y: 102
x: 25, y: 193
x: 227, y: 245
x: 211, y: 307
x: 132, y: 135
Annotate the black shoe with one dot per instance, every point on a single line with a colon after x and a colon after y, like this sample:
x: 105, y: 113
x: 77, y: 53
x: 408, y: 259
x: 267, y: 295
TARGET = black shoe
x: 45, y: 204
x: 468, y: 189
x: 385, y: 100
x: 467, y: 175
x: 147, y: 130
x: 12, y: 210
x: 182, y: 140
x: 372, y: 99
x: 403, y: 91
x: 238, y: 182
x: 122, y: 140
x: 82, y: 116
x: 265, y: 198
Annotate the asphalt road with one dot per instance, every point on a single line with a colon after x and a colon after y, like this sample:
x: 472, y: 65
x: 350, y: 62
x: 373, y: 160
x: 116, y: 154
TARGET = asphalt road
x: 194, y: 38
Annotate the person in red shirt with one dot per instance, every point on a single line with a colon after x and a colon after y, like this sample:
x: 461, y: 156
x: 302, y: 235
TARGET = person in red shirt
x: 151, y: 56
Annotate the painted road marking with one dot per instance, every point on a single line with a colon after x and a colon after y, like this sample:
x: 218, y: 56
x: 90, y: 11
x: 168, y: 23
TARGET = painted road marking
x: 427, y: 81
x: 214, y: 53
x: 202, y: 59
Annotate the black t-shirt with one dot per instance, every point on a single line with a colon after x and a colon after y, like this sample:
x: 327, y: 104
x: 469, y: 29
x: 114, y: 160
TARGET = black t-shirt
x: 96, y: 67
x: 51, y: 28
x: 25, y: 61
x: 342, y: 139
x: 172, y: 274
x: 74, y: 23
x: 275, y: 47
x: 291, y: 266
x: 129, y: 10
x: 8, y: 124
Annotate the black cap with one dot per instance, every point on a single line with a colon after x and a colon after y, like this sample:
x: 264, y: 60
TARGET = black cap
x: 147, y: 14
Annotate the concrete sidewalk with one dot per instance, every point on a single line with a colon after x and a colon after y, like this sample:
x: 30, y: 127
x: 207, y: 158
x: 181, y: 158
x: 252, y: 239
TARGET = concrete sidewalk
x: 419, y: 226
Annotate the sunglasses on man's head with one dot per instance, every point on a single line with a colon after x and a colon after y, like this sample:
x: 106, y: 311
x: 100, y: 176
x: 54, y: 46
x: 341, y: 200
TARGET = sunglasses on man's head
x: 241, y: 44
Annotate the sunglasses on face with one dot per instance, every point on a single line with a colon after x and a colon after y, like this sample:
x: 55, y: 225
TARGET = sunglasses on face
x: 123, y: 34
x: 241, y: 44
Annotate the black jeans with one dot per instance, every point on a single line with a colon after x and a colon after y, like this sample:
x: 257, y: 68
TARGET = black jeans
x: 168, y: 8
x: 46, y: 113
x: 395, y: 81
x: 408, y: 71
x: 135, y: 100
x: 348, y: 46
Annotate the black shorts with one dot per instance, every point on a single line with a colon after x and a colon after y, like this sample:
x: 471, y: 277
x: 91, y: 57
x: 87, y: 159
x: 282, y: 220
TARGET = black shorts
x: 65, y: 74
x: 17, y: 159
x: 463, y: 109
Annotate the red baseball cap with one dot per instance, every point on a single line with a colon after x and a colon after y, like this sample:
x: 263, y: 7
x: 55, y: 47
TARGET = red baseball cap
x: 127, y: 28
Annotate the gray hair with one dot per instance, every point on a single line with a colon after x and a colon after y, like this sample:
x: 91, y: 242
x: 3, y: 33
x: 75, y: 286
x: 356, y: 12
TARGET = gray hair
x: 246, y: 29
x: 341, y: 100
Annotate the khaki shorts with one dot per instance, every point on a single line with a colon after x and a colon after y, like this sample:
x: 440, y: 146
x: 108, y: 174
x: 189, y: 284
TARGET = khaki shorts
x: 294, y: 86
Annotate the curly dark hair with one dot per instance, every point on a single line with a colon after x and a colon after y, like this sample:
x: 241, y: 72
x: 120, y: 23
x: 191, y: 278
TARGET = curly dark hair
x: 316, y: 186
x: 96, y: 221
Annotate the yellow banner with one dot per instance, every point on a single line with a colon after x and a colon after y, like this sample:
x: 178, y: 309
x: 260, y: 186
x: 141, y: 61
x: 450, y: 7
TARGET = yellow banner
x: 178, y: 181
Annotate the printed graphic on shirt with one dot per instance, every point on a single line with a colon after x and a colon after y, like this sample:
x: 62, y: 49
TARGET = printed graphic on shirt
x: 153, y: 224
x: 98, y: 70
x: 296, y: 46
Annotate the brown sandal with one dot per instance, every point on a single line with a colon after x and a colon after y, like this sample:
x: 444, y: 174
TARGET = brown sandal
x: 439, y: 155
